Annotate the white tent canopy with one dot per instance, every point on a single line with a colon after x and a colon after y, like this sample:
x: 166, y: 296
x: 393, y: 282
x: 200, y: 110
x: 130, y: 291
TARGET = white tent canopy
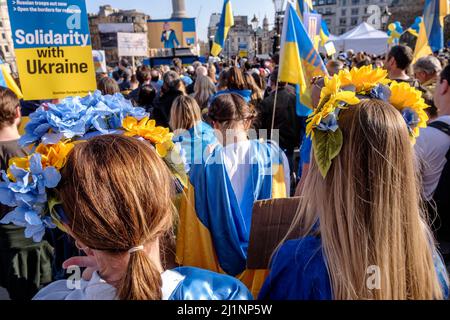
x: 363, y: 38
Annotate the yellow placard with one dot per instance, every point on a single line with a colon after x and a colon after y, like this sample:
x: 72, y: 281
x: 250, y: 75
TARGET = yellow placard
x: 56, y: 72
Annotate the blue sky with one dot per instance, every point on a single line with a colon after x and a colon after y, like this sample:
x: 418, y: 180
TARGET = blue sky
x: 200, y: 9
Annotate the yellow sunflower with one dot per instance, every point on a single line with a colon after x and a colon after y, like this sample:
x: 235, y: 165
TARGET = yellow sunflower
x: 147, y: 129
x: 404, y: 96
x: 55, y: 155
x: 363, y: 79
x: 331, y: 97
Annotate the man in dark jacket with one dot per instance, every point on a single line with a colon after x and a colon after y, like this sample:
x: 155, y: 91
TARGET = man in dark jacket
x: 286, y: 120
x: 172, y: 88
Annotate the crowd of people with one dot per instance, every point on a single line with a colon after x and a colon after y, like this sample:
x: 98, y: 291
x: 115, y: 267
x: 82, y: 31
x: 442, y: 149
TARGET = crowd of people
x: 380, y: 202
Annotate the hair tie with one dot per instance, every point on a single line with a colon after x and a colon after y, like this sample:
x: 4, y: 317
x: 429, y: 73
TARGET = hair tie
x: 135, y: 249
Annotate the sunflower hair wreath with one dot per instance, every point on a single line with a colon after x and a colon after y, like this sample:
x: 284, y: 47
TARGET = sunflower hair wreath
x: 346, y: 89
x: 52, y: 133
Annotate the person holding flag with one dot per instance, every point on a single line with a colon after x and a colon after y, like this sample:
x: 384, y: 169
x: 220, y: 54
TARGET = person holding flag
x: 226, y: 22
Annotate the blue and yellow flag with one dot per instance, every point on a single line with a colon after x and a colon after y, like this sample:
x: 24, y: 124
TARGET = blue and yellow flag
x: 214, y: 223
x: 299, y: 60
x: 303, y: 6
x: 431, y: 34
x: 7, y: 81
x: 226, y: 22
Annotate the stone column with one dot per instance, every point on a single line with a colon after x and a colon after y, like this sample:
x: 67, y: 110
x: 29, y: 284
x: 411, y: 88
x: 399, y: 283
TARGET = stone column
x: 179, y: 9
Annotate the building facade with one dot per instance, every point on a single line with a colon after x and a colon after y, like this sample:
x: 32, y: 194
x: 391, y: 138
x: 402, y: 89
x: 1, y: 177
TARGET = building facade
x: 343, y: 15
x: 242, y: 38
x: 108, y: 14
x: 6, y: 41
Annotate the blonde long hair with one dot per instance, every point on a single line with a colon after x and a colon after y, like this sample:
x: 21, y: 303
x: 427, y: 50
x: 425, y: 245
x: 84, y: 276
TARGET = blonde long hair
x: 369, y: 210
x: 203, y: 90
x: 185, y: 113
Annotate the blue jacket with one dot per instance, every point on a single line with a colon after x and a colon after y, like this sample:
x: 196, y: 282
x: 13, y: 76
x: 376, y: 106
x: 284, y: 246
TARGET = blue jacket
x: 299, y: 272
x: 172, y: 42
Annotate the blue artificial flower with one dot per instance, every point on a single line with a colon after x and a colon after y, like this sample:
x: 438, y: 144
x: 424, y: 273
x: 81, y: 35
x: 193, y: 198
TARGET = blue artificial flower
x: 27, y: 192
x: 380, y: 92
x: 75, y: 117
x: 411, y: 118
x: 329, y: 123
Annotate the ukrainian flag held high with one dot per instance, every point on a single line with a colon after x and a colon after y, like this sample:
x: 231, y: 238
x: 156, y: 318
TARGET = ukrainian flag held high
x: 299, y: 61
x: 431, y: 34
x: 226, y: 22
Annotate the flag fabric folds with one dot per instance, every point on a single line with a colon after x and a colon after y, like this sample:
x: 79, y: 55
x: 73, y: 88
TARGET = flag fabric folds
x: 214, y: 225
x: 226, y: 22
x: 7, y: 81
x: 299, y: 60
x: 431, y: 34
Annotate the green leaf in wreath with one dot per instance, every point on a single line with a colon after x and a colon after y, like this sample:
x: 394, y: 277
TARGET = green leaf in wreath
x: 326, y: 145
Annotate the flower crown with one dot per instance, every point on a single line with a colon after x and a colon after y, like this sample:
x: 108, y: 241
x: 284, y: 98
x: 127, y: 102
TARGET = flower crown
x: 347, y: 88
x: 51, y: 134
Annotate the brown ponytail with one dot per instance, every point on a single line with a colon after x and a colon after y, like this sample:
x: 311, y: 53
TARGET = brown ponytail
x: 117, y: 194
x: 142, y: 280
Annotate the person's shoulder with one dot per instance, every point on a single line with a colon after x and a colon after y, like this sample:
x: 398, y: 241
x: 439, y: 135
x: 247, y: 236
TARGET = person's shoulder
x: 57, y: 290
x: 298, y: 271
x: 429, y: 137
x: 11, y: 149
x: 200, y: 284
x: 301, y: 250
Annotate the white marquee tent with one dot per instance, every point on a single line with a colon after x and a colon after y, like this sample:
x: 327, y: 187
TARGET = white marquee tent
x: 362, y: 38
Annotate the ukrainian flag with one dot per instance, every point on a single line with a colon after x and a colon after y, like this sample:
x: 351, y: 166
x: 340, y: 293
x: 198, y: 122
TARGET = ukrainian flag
x: 7, y: 81
x: 226, y: 22
x: 431, y: 34
x: 299, y: 60
x: 214, y: 226
x: 304, y: 6
x: 307, y: 6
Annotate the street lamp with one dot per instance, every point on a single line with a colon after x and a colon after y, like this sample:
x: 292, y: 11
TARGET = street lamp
x: 255, y: 23
x: 279, y: 6
x: 385, y: 16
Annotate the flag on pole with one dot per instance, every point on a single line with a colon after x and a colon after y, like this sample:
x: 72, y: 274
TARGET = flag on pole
x: 299, y: 60
x: 431, y: 34
x: 7, y: 81
x: 226, y: 22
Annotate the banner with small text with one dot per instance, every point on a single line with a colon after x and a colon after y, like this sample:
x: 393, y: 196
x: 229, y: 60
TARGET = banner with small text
x: 53, y: 48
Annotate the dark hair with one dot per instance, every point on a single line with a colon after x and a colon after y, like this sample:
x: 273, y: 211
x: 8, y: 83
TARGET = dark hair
x: 146, y: 95
x: 445, y: 74
x: 260, y: 81
x: 8, y: 104
x: 432, y: 111
x: 364, y: 62
x: 143, y: 74
x: 155, y: 74
x: 274, y: 78
x: 402, y: 55
x: 229, y: 108
x: 235, y: 79
x: 124, y: 63
x: 172, y: 81
x: 108, y: 86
